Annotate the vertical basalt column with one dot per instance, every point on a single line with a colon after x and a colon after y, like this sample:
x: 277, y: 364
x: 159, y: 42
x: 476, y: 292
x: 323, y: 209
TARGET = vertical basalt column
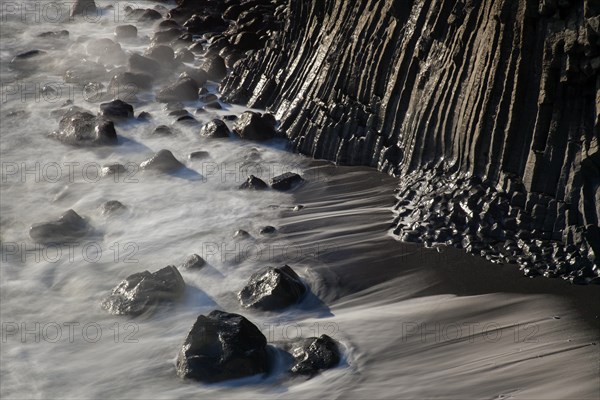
x: 490, y: 88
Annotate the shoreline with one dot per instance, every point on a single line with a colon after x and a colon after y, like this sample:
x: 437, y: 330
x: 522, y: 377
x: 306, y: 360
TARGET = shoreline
x: 392, y: 285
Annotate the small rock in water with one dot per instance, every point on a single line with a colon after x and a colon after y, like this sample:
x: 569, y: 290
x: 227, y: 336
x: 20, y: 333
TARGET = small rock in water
x: 63, y: 34
x: 254, y: 183
x: 163, y: 161
x: 215, y: 129
x: 193, y: 262
x: 241, y: 234
x: 70, y: 226
x: 198, y: 155
x: 315, y: 354
x: 161, y: 53
x: 272, y: 289
x: 222, y: 346
x: 267, y: 230
x: 162, y: 130
x: 126, y: 32
x: 184, y: 55
x: 142, y: 291
x: 113, y: 169
x: 254, y: 126
x: 185, y: 89
x: 144, y: 116
x: 285, y: 181
x: 214, y: 105
x: 112, y: 207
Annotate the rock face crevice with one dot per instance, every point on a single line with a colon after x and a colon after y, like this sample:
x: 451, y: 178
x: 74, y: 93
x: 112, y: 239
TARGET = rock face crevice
x: 502, y: 90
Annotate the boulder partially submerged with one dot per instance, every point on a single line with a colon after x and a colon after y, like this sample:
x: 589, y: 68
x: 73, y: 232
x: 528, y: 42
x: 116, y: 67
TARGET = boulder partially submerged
x: 85, y: 129
x: 143, y: 291
x: 222, y: 346
x: 162, y: 161
x: 255, y: 126
x: 314, y: 354
x: 272, y: 289
x: 67, y: 228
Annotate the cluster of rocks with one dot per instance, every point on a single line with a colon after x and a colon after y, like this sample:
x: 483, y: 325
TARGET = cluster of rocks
x: 223, y: 346
x: 220, y: 345
x: 283, y: 182
x: 531, y: 230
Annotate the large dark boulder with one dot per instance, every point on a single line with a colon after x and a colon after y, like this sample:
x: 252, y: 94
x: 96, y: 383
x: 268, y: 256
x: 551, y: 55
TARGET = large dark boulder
x: 215, y: 129
x: 222, y: 346
x: 143, y: 291
x: 272, y: 289
x: 285, y: 181
x: 116, y: 110
x: 162, y: 161
x: 254, y: 126
x: 185, y: 89
x: 85, y: 129
x: 315, y: 354
x: 67, y: 228
x: 254, y: 183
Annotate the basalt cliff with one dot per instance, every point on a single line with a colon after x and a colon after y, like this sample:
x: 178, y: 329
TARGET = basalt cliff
x: 487, y: 111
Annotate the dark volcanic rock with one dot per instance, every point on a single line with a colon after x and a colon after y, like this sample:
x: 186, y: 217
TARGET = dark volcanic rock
x: 254, y: 126
x: 215, y: 67
x: 315, y: 354
x: 198, y: 155
x: 161, y: 53
x: 86, y: 8
x: 162, y: 130
x: 193, y: 262
x: 145, y: 64
x: 112, y: 207
x: 126, y: 32
x: 84, y: 129
x: 198, y: 75
x: 116, y: 110
x: 185, y: 89
x: 215, y: 129
x: 163, y: 161
x: 285, y: 181
x: 184, y: 55
x: 200, y: 24
x: 241, y: 234
x: 267, y: 230
x: 222, y: 346
x: 402, y: 118
x: 254, y: 183
x: 272, y: 289
x: 143, y: 291
x: 63, y: 34
x: 126, y: 84
x: 68, y: 228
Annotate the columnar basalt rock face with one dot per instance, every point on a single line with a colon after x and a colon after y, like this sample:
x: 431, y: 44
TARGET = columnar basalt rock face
x: 502, y: 90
